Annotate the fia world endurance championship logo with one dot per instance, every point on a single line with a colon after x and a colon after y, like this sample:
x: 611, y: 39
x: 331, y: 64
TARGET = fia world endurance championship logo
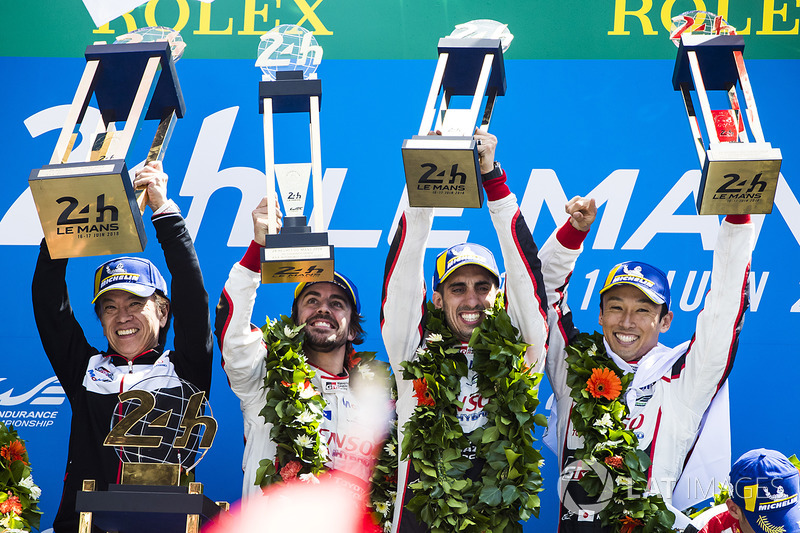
x: 32, y: 408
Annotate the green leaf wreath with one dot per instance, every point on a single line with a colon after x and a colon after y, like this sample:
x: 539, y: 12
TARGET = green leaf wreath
x: 510, y: 481
x: 295, y: 410
x: 597, y: 387
x: 19, y: 495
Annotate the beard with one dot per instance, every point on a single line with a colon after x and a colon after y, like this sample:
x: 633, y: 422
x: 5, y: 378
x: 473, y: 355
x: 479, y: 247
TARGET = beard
x: 325, y: 342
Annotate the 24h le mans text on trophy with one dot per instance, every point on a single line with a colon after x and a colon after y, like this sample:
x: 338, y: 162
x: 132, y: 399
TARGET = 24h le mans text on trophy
x: 288, y: 57
x: 160, y: 429
x: 739, y: 176
x: 89, y: 207
x: 443, y: 170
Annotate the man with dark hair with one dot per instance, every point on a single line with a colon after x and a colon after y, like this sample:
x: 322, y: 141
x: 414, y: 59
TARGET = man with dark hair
x: 764, y: 492
x: 131, y: 301
x: 329, y: 313
x: 465, y: 284
x: 670, y: 396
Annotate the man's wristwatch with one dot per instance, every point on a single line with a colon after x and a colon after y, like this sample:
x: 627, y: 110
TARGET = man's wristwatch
x: 496, y: 172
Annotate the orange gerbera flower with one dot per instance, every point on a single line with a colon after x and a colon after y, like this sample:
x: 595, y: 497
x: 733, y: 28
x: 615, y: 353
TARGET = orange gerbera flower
x: 629, y: 524
x: 614, y: 461
x: 14, y: 451
x: 422, y: 394
x: 604, y: 383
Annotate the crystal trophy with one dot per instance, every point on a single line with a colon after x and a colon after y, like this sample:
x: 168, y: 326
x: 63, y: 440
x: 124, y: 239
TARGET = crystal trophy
x: 289, y: 56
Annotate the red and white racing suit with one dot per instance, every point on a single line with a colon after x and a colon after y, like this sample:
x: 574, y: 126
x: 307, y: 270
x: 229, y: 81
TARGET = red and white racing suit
x: 403, y: 307
x: 243, y: 353
x: 667, y: 405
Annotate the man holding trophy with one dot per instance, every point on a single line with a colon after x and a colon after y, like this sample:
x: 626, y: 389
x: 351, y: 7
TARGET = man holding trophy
x: 325, y: 325
x: 666, y: 393
x: 135, y: 309
x: 298, y: 378
x: 466, y: 285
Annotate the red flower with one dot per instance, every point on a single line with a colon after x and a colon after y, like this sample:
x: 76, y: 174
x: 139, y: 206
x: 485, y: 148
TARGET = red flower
x: 422, y: 394
x: 291, y: 470
x: 353, y: 359
x: 614, y: 461
x: 14, y: 451
x: 604, y: 383
x: 11, y: 505
x: 629, y: 524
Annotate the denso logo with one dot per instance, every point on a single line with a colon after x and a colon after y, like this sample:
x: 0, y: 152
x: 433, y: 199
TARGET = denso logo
x: 473, y: 403
x: 347, y: 443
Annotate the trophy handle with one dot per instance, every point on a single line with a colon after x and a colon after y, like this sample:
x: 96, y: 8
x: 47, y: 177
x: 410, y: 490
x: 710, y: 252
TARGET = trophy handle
x: 157, y: 150
x: 269, y: 164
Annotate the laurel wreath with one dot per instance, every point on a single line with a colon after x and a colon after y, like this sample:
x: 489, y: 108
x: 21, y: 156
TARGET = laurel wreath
x: 507, y: 489
x: 295, y: 409
x: 607, y: 441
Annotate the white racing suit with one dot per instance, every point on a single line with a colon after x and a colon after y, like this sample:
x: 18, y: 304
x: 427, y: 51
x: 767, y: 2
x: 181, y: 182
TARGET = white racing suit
x: 673, y: 387
x: 403, y: 308
x: 243, y: 353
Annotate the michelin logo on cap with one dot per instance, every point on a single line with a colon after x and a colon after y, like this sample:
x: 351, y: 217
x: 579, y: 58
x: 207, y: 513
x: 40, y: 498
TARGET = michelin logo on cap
x: 118, y: 273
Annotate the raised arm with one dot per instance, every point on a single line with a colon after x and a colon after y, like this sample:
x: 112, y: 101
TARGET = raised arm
x: 62, y: 338
x: 524, y: 287
x: 559, y: 255
x: 711, y: 352
x: 194, y: 348
x: 403, y: 295
x: 240, y: 341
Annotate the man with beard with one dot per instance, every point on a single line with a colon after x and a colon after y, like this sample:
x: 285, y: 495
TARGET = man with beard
x: 330, y: 313
x: 466, y: 282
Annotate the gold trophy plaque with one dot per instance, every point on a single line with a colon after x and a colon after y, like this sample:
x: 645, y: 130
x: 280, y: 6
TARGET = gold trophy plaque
x: 739, y: 175
x: 89, y: 208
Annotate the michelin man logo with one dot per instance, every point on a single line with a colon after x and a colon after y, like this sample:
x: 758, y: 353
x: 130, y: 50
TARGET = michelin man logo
x: 637, y: 271
x: 119, y: 269
x: 780, y: 493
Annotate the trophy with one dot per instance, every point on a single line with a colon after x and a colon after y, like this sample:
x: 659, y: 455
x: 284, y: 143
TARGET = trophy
x: 160, y: 433
x: 288, y: 57
x: 89, y: 208
x: 443, y: 170
x: 739, y: 176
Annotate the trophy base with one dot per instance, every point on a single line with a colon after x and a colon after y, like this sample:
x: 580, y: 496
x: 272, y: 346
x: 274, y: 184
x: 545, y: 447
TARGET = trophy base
x: 88, y: 209
x: 739, y: 179
x: 134, y: 509
x: 442, y: 171
x: 296, y: 257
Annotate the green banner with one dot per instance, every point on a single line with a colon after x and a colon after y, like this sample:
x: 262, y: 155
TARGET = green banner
x: 404, y: 29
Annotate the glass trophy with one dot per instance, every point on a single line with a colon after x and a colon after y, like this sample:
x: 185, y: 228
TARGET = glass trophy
x: 289, y: 56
